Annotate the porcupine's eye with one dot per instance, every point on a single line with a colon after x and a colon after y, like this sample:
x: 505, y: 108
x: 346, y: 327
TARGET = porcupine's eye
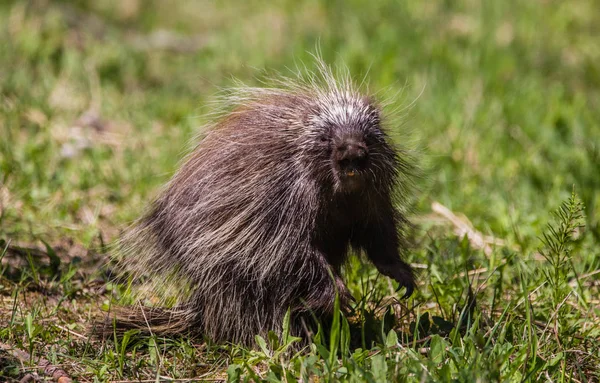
x: 325, y: 134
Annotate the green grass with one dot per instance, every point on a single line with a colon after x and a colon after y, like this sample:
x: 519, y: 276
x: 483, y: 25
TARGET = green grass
x: 100, y: 99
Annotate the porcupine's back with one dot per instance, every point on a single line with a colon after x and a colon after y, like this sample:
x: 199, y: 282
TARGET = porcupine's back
x: 233, y: 225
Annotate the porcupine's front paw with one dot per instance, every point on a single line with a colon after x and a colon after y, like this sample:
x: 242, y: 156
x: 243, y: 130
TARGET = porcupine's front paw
x: 401, y: 273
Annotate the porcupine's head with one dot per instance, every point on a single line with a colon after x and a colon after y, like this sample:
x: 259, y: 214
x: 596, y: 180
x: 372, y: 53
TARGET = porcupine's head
x: 349, y: 142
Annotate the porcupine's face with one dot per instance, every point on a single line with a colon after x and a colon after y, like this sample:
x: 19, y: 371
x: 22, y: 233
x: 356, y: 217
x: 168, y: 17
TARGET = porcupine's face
x: 349, y: 132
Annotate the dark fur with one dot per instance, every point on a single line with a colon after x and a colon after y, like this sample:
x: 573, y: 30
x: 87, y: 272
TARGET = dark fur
x: 261, y: 216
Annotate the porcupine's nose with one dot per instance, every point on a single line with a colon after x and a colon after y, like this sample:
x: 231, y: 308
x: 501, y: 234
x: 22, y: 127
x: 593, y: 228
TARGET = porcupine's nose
x: 352, y: 154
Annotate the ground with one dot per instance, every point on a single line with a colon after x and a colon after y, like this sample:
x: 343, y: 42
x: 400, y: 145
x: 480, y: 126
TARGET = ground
x: 499, y: 101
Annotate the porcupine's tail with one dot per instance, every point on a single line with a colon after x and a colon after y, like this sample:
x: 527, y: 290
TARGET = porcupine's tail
x: 179, y: 320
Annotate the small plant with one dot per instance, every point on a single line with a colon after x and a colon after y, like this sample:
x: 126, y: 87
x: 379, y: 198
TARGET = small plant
x: 557, y: 249
x: 33, y: 329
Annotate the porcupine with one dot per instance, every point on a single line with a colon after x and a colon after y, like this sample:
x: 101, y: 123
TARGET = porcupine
x: 262, y: 214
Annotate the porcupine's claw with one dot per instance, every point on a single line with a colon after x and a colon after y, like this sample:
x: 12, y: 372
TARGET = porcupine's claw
x: 405, y: 279
x: 409, y: 290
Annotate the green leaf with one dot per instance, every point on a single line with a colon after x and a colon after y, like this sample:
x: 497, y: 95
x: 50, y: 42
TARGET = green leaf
x: 437, y: 349
x: 29, y: 326
x: 323, y: 352
x: 263, y: 345
x: 554, y: 361
x: 379, y: 368
x: 285, y: 333
x: 334, y: 338
x: 153, y: 350
x: 392, y: 339
x: 234, y: 372
x: 345, y: 338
